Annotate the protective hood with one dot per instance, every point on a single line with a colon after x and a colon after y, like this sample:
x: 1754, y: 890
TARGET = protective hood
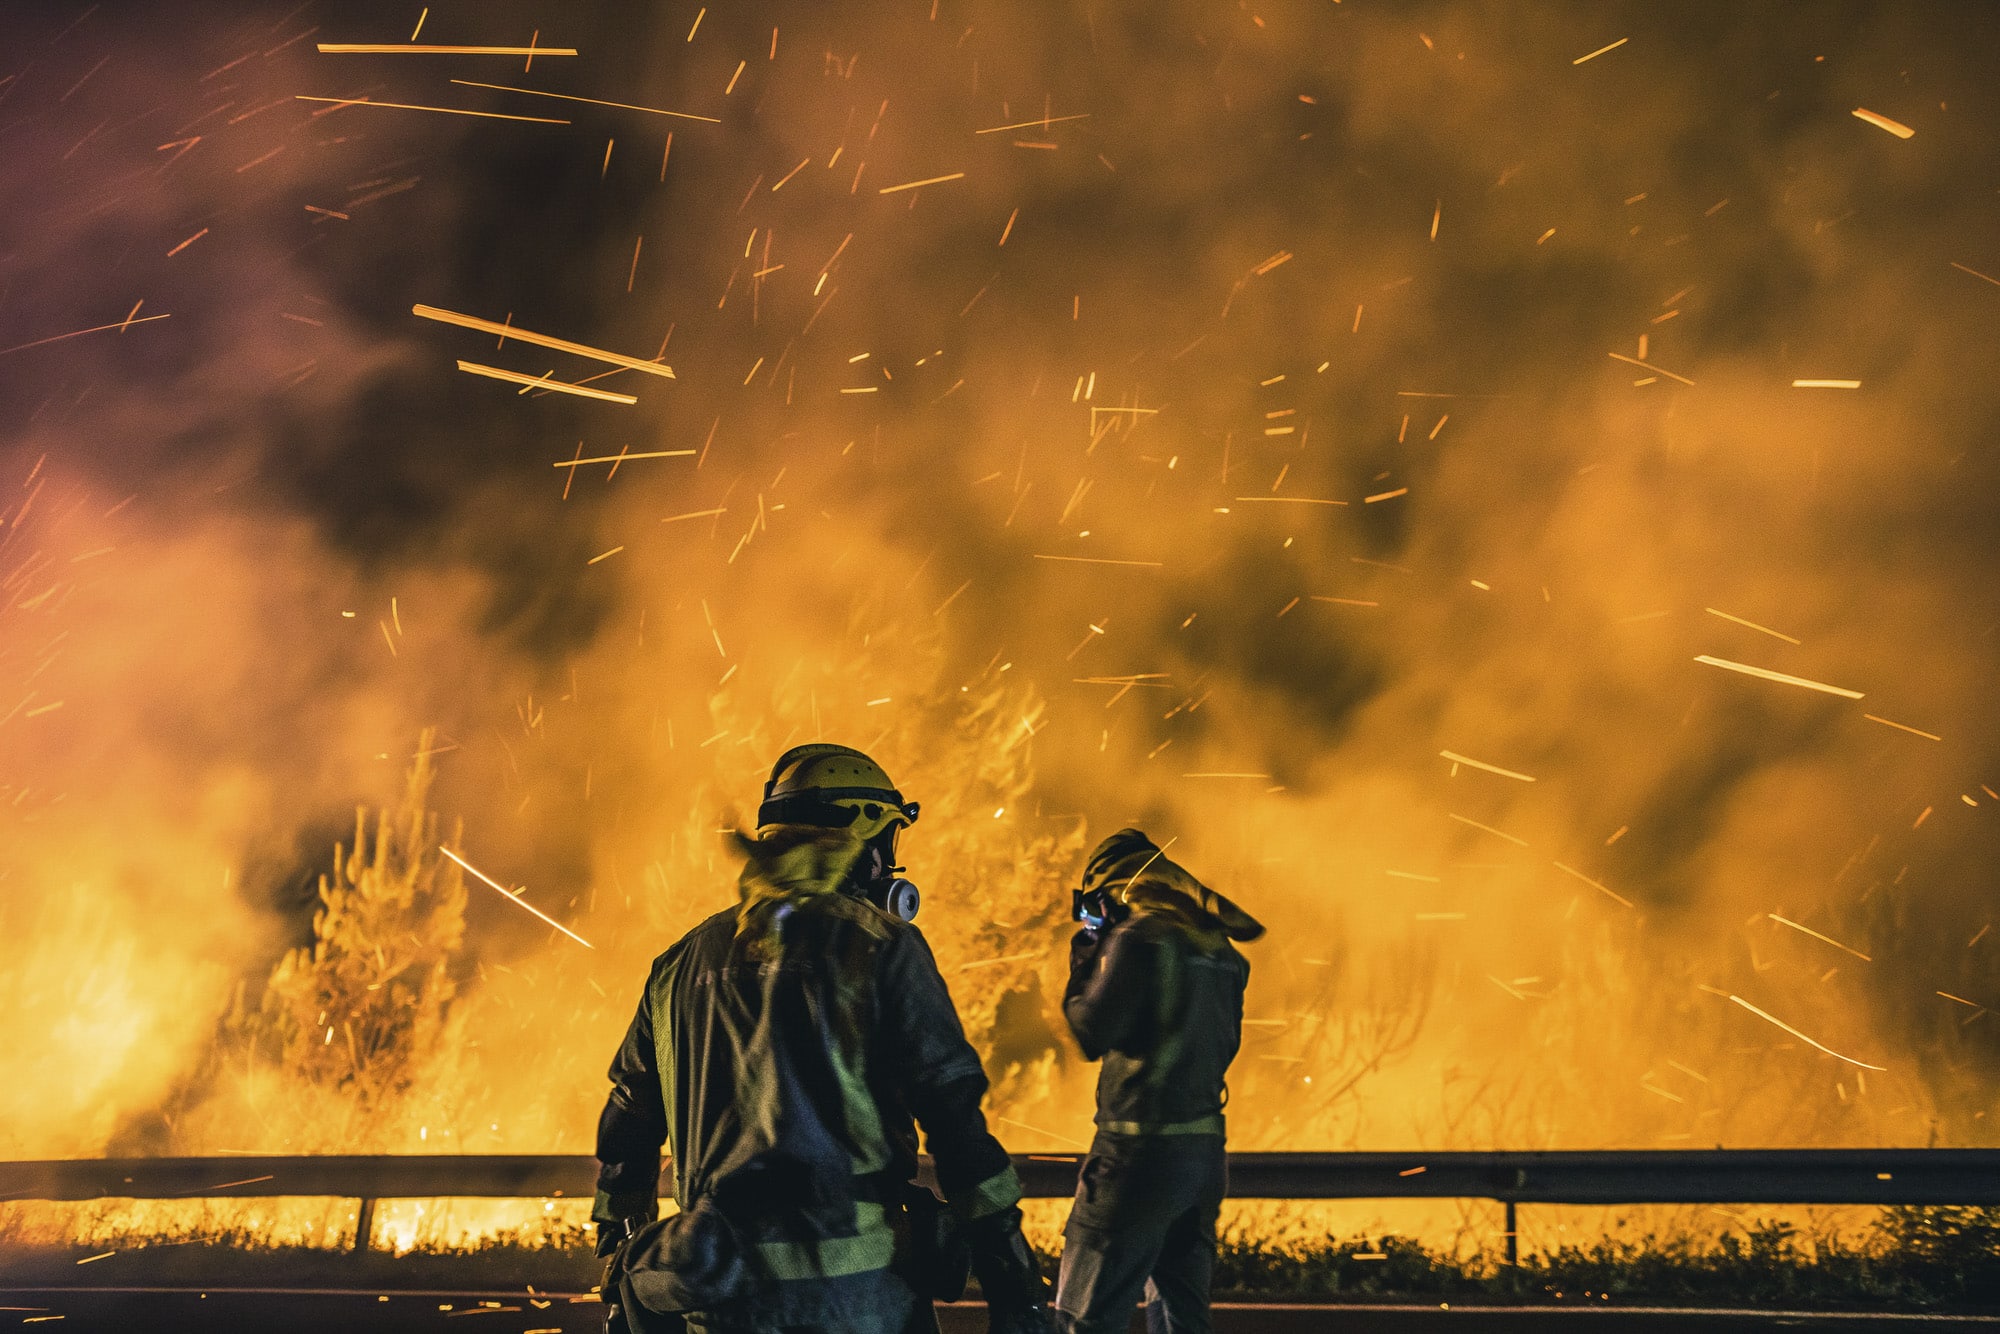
x: 786, y: 865
x: 1132, y: 867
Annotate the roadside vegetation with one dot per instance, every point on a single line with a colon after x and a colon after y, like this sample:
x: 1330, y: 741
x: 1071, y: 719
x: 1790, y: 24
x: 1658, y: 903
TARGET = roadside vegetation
x: 1912, y: 1259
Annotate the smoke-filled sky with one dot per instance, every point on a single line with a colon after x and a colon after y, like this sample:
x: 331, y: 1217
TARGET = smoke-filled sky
x: 1253, y: 409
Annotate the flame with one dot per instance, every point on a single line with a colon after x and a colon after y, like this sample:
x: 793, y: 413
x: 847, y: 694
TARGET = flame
x: 1040, y: 456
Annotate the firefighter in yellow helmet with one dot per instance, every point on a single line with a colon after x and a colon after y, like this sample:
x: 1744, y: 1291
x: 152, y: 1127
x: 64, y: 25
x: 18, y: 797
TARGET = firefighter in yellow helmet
x: 785, y: 1052
x: 1156, y: 992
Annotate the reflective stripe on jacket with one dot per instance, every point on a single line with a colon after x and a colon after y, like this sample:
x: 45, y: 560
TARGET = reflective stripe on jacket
x: 787, y: 1071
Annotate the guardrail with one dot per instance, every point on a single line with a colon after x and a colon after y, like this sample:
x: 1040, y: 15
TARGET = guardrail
x: 1613, y: 1176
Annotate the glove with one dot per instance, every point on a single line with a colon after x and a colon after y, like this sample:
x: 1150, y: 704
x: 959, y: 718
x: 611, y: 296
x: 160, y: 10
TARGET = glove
x: 621, y: 1212
x: 1017, y: 1294
x: 610, y: 1236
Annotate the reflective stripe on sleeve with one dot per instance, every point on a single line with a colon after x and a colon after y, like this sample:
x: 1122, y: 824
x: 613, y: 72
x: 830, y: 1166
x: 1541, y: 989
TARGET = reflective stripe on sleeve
x: 1000, y: 1191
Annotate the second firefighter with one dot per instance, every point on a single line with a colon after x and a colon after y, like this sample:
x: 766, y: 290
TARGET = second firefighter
x: 1156, y: 992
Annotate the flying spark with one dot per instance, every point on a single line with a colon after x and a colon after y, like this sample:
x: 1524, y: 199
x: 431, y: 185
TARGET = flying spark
x: 1766, y: 674
x: 1764, y: 629
x: 1766, y: 1015
x: 1025, y: 124
x: 408, y: 49
x: 518, y: 334
x: 912, y: 185
x: 1786, y: 921
x: 514, y: 897
x: 626, y: 458
x: 339, y: 102
x: 1099, y: 560
x: 1570, y: 870
x: 593, y: 101
x: 1903, y: 727
x: 1648, y: 366
x: 1895, y: 127
x: 1601, y: 50
x: 543, y: 382
x: 1456, y: 758
x: 120, y: 325
x: 1518, y: 842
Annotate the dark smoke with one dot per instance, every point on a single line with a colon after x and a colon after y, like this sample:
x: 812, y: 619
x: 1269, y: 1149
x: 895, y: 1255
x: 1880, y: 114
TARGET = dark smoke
x: 1426, y: 218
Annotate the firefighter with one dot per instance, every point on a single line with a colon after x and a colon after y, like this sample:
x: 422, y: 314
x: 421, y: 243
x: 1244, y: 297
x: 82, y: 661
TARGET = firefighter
x: 1156, y: 992
x: 785, y: 1052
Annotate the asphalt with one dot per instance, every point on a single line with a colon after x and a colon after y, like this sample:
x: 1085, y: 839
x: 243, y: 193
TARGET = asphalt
x: 313, y: 1310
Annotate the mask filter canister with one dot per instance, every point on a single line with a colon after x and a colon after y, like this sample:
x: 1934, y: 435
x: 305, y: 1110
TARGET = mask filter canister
x: 897, y: 897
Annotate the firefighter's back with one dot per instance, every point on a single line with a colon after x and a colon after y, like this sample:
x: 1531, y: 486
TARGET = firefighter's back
x: 764, y: 1041
x: 1170, y: 1072
x: 785, y: 1052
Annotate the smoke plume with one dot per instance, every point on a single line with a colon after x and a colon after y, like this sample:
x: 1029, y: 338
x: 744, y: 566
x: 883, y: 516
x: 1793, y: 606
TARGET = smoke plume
x: 1326, y: 435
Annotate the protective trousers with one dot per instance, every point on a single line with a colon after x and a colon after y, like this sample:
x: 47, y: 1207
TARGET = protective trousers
x: 1144, y: 1220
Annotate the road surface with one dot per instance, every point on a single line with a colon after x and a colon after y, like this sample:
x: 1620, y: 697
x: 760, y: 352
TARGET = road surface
x: 327, y: 1310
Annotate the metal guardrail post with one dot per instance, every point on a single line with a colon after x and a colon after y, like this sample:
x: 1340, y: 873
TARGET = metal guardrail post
x: 364, y: 1225
x: 1513, y: 1218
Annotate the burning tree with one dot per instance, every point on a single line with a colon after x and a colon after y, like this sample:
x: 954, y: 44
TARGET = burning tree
x: 348, y: 1025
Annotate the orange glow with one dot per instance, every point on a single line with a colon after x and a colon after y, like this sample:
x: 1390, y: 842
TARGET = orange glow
x: 1456, y: 711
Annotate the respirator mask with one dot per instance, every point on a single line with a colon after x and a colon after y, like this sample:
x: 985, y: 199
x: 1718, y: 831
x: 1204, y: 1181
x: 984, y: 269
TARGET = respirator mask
x: 1096, y: 909
x: 880, y: 882
x: 895, y: 896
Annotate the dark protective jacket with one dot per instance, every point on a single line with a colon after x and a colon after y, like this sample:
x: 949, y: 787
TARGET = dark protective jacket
x: 786, y: 1052
x: 1165, y: 1012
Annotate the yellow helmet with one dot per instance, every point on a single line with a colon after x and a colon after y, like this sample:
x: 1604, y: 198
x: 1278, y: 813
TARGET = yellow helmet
x: 835, y: 787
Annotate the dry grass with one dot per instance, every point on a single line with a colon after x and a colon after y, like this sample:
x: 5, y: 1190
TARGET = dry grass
x: 1909, y: 1259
